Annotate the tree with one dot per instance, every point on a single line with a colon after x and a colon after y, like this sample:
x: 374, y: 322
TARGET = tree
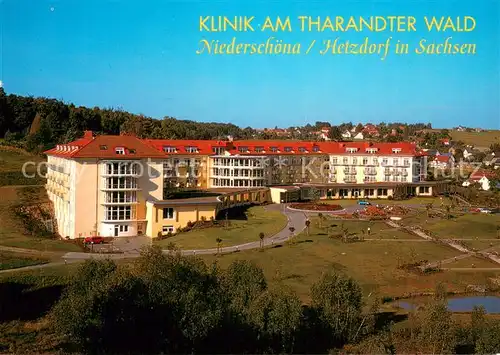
x: 291, y: 229
x: 261, y: 237
x: 335, y: 134
x: 219, y: 242
x: 448, y: 211
x: 338, y: 301
x: 277, y: 315
x: 428, y: 208
x: 243, y: 282
x: 308, y: 224
x: 320, y: 220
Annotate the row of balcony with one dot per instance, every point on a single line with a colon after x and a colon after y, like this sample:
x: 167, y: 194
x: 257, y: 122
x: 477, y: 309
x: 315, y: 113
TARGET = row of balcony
x: 402, y: 164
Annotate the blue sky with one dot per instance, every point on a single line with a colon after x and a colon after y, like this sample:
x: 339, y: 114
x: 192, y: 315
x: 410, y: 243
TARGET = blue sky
x: 140, y: 56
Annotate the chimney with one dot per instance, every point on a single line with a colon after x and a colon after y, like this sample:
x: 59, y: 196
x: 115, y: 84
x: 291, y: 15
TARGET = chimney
x: 88, y: 135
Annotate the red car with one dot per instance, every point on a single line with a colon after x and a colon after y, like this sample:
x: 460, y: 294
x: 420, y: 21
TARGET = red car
x: 93, y: 240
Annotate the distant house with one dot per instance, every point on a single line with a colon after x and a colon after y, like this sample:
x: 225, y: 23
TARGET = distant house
x: 460, y: 129
x: 469, y: 153
x: 359, y: 136
x: 370, y: 130
x: 492, y: 159
x: 442, y: 161
x: 445, y: 142
x: 347, y: 134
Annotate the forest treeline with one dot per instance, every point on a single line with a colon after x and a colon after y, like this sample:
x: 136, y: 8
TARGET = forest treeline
x: 37, y: 124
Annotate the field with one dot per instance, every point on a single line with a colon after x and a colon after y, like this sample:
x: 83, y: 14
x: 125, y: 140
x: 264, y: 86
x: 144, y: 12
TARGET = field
x: 373, y: 263
x: 12, y: 233
x: 9, y: 260
x: 246, y: 229
x: 469, y: 226
x: 11, y: 167
x: 478, y: 139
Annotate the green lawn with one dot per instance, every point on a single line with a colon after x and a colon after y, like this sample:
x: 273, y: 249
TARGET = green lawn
x: 11, y: 231
x: 480, y: 225
x: 239, y: 231
x: 10, y: 260
x: 378, y: 229
x: 374, y: 264
x: 472, y: 262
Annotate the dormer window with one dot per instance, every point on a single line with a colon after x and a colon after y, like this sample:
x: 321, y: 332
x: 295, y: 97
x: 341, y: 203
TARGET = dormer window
x: 351, y: 150
x: 371, y: 150
x: 315, y: 149
x: 131, y: 151
x: 302, y: 149
x: 191, y: 149
x: 169, y: 149
x: 243, y: 149
x: 396, y: 150
x: 274, y: 149
x: 120, y: 150
x: 259, y: 149
x: 103, y: 147
x: 217, y: 150
x: 288, y: 149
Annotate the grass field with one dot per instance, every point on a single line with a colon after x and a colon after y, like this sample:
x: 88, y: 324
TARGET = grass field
x: 9, y: 260
x: 378, y: 229
x: 411, y: 201
x: 471, y: 225
x: 12, y: 159
x: 11, y: 231
x: 239, y: 231
x: 479, y: 139
x: 472, y: 261
x: 374, y: 264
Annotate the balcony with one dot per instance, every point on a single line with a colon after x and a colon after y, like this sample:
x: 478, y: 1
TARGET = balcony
x: 350, y: 171
x: 350, y: 179
x: 123, y: 187
x: 370, y: 172
x: 387, y: 172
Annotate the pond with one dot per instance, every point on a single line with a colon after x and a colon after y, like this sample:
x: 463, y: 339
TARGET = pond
x: 491, y: 304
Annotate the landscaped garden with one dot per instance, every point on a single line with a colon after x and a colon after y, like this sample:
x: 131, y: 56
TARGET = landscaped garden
x: 316, y: 206
x: 238, y: 229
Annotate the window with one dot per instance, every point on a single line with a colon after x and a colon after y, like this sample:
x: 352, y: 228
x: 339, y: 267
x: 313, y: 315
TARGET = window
x: 274, y: 149
x: 169, y: 149
x: 351, y: 150
x: 259, y: 149
x: 395, y: 161
x: 396, y: 150
x: 371, y: 150
x: 302, y: 149
x: 103, y: 147
x: 288, y: 149
x: 354, y: 161
x: 365, y: 161
x: 123, y: 228
x: 406, y: 162
x: 334, y: 160
x: 191, y: 149
x: 167, y: 229
x: 120, y: 150
x: 346, y: 160
x: 131, y: 151
x: 385, y: 161
x: 168, y: 213
x: 243, y: 149
x: 316, y: 149
x: 118, y: 213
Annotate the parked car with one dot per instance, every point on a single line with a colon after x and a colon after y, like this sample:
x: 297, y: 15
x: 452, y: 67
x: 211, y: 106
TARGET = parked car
x: 484, y: 210
x: 363, y: 203
x: 93, y: 240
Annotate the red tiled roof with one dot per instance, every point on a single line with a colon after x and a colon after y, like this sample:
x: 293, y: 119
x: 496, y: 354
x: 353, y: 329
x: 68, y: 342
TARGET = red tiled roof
x: 104, y: 147
x: 480, y: 173
x: 93, y: 147
x: 442, y: 158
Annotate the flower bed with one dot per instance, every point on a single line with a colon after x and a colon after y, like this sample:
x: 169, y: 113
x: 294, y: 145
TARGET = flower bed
x: 320, y: 207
